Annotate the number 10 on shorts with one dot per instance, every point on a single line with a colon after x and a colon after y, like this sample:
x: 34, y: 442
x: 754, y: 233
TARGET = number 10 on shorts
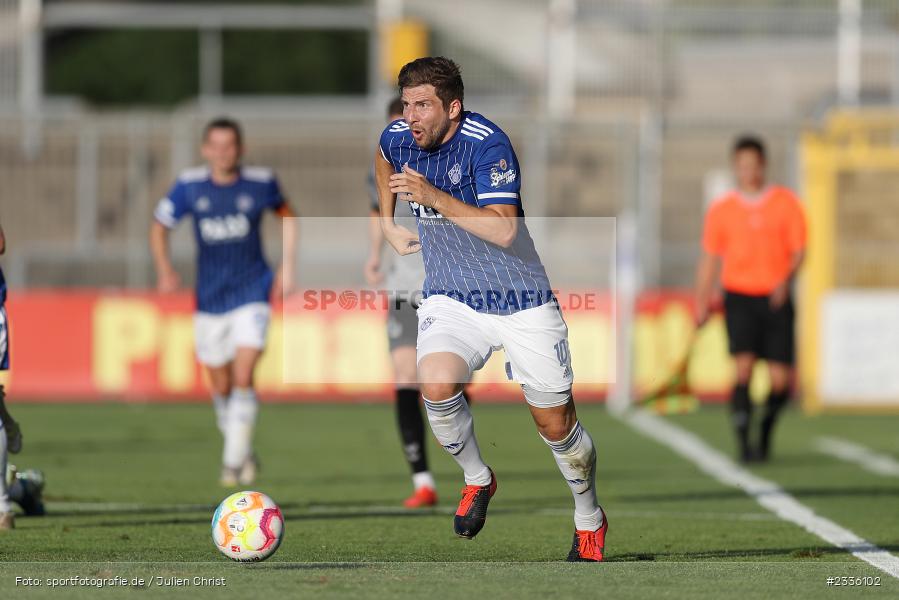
x: 563, y: 353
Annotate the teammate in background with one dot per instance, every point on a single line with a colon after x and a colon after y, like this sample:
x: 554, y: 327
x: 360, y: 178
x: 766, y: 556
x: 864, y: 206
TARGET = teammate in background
x: 485, y: 288
x: 234, y: 282
x: 757, y: 234
x: 404, y: 279
x: 12, y: 488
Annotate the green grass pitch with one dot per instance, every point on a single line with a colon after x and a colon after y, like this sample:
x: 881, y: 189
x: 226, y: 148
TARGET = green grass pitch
x: 131, y: 490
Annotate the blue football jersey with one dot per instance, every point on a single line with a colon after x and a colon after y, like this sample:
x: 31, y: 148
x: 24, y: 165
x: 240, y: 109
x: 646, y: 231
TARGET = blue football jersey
x: 477, y: 166
x: 231, y: 267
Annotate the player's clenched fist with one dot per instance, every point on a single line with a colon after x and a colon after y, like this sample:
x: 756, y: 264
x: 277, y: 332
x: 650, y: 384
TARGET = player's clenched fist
x: 412, y: 186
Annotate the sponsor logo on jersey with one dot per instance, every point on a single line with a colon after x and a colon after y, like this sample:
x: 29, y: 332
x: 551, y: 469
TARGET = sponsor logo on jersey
x: 203, y: 204
x: 455, y: 174
x: 424, y: 212
x: 500, y: 176
x: 223, y: 229
x: 166, y: 209
x: 245, y: 203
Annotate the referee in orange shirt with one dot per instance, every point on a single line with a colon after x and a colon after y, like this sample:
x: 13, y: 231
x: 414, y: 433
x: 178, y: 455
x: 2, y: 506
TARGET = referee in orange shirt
x: 757, y: 235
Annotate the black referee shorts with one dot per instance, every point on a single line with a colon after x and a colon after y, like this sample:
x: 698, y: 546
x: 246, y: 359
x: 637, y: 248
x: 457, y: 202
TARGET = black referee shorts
x: 753, y: 326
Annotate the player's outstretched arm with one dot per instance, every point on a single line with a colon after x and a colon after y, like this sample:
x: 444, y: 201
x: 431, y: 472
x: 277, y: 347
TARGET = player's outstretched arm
x: 402, y: 240
x: 167, y: 278
x: 496, y: 223
x: 2, y: 242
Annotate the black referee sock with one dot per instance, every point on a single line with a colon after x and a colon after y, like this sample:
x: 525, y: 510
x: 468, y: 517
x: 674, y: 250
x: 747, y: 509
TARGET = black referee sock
x: 741, y: 415
x: 412, y: 428
x: 776, y: 402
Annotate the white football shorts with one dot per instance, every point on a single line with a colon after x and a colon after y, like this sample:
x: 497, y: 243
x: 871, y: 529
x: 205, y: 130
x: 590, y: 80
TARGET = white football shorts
x: 218, y: 336
x: 535, y: 340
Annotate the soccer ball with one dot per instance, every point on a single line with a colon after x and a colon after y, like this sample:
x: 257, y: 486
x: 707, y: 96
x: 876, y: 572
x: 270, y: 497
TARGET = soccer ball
x: 247, y: 526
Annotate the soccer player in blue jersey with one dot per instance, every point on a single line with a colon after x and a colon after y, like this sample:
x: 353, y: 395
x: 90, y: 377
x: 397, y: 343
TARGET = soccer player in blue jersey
x: 234, y: 282
x: 485, y: 288
x: 10, y: 433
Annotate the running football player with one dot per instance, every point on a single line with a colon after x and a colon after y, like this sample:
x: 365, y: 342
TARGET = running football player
x: 485, y: 288
x: 234, y: 282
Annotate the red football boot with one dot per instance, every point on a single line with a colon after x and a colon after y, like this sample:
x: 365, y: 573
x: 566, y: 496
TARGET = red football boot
x: 588, y: 546
x: 423, y: 497
x: 472, y: 512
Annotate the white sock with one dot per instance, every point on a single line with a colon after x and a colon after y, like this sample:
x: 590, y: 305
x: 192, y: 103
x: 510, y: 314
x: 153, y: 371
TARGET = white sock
x: 220, y: 404
x: 453, y: 427
x: 576, y: 458
x: 5, y: 506
x: 423, y: 479
x: 242, y: 411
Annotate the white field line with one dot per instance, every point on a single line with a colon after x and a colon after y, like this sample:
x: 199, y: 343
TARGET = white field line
x: 869, y: 460
x: 767, y: 493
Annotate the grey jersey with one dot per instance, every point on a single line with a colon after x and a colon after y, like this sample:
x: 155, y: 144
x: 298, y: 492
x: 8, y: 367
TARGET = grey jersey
x: 405, y: 273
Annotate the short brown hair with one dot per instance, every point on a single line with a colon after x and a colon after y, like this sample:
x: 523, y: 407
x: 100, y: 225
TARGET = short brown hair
x: 441, y: 72
x: 224, y: 123
x: 395, y: 107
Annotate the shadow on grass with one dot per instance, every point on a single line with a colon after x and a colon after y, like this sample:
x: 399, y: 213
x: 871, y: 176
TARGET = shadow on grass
x: 301, y: 513
x: 347, y: 566
x: 798, y: 492
x: 803, y: 553
x: 113, y: 510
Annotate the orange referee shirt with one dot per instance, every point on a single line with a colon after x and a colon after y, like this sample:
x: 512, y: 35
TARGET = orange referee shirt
x: 755, y: 239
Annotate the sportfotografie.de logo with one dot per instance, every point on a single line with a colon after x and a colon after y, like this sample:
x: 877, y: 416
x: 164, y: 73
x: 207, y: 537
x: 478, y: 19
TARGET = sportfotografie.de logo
x: 496, y: 301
